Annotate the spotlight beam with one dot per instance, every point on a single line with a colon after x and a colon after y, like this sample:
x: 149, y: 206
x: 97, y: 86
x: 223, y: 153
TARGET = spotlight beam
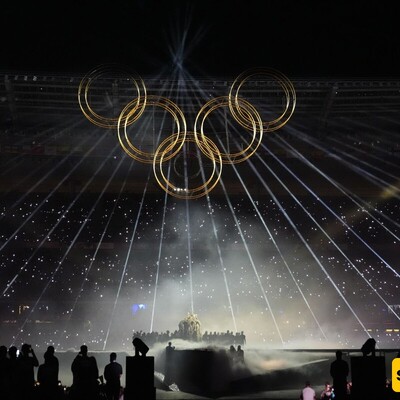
x: 14, y: 162
x: 69, y: 247
x: 271, y: 237
x: 159, y: 254
x: 351, y: 196
x: 368, y: 154
x: 263, y: 291
x: 355, y: 233
x: 180, y: 74
x: 321, y: 228
x: 37, y: 209
x: 189, y: 239
x: 93, y: 258
x: 43, y: 178
x: 384, y: 185
x: 215, y: 232
x: 221, y: 260
x: 128, y: 254
x: 341, y: 187
x: 301, y: 237
x: 381, y: 137
x: 356, y: 159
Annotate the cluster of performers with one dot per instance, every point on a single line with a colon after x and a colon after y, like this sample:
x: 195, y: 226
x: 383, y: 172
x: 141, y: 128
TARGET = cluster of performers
x: 211, y: 338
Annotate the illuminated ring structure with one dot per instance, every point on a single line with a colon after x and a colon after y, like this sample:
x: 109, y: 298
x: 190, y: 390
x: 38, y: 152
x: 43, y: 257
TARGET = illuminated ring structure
x: 92, y: 76
x: 250, y: 114
x: 210, y: 150
x: 129, y: 115
x: 242, y: 111
x: 237, y: 109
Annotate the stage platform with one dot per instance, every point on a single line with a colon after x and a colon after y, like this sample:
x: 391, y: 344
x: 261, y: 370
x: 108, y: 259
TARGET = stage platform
x: 206, y: 374
x: 293, y: 394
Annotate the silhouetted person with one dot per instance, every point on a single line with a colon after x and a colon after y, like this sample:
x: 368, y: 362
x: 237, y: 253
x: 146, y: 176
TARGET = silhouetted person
x: 169, y: 353
x: 51, y: 358
x: 232, y: 353
x: 369, y: 347
x: 112, y: 375
x: 12, y: 354
x: 339, y: 371
x: 240, y: 355
x: 141, y: 348
x: 308, y: 393
x: 243, y: 336
x: 5, y: 374
x: 48, y: 376
x: 26, y: 362
x: 85, y: 374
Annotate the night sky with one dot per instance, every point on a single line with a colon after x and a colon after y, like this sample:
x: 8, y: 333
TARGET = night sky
x: 333, y: 38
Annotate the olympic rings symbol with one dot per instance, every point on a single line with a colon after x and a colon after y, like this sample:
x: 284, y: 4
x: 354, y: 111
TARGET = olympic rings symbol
x: 176, y: 146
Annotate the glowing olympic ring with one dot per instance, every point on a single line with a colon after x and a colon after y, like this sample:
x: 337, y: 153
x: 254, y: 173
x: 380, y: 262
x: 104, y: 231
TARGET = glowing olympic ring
x: 130, y: 112
x: 187, y: 193
x: 248, y: 111
x: 236, y: 108
x: 242, y: 111
x: 95, y: 73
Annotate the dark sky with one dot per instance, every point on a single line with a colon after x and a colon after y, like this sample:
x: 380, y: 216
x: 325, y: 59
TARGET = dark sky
x: 301, y: 38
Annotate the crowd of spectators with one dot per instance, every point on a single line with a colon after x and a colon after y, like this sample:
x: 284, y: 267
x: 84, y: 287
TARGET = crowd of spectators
x: 23, y: 377
x: 21, y: 381
x: 66, y: 257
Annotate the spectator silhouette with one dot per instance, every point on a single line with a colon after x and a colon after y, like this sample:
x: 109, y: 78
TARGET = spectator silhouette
x: 48, y: 376
x: 85, y: 374
x: 112, y: 375
x: 13, y: 385
x: 240, y: 355
x: 339, y: 370
x: 5, y: 374
x: 243, y: 337
x: 52, y: 359
x: 169, y: 354
x: 308, y: 393
x: 232, y: 353
x: 26, y: 362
